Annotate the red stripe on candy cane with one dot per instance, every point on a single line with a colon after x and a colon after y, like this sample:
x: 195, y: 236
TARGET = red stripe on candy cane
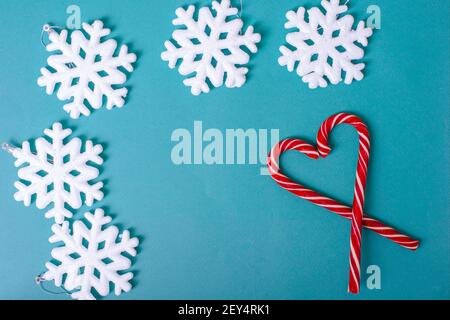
x: 355, y: 213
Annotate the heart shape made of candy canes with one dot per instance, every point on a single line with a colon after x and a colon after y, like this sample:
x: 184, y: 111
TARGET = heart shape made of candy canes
x: 354, y: 213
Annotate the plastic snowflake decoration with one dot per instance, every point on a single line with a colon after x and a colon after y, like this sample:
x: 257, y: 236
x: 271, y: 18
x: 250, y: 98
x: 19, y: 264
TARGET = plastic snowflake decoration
x: 58, y: 173
x: 325, y: 45
x: 87, y: 69
x: 211, y: 49
x: 91, y: 257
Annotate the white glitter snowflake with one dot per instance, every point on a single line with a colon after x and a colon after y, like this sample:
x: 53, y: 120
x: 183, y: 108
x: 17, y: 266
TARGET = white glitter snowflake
x: 86, y: 69
x: 91, y: 257
x: 58, y: 173
x: 211, y: 48
x: 324, y: 45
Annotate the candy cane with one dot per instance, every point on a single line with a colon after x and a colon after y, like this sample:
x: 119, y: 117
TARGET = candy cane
x: 360, y: 185
x: 330, y: 204
x: 327, y: 203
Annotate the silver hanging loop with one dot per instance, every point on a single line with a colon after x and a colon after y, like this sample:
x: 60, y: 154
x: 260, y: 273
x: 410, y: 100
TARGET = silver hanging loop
x: 47, y: 29
x: 8, y: 148
x: 40, y: 280
x: 239, y: 14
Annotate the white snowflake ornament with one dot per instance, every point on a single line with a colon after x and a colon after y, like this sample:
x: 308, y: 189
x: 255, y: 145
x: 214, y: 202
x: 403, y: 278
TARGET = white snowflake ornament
x: 324, y: 45
x: 87, y: 69
x: 91, y: 258
x: 211, y: 49
x: 58, y: 173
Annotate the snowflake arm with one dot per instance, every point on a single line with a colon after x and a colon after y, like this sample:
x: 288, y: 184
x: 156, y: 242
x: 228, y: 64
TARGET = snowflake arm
x: 92, y: 258
x: 211, y: 47
x: 86, y: 69
x: 58, y: 173
x: 324, y: 46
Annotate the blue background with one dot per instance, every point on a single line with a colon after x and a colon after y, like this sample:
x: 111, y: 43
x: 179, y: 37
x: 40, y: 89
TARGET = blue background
x: 225, y: 231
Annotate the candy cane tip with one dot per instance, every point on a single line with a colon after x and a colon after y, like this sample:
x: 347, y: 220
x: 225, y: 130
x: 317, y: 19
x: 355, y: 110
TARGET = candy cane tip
x: 353, y: 290
x: 413, y: 246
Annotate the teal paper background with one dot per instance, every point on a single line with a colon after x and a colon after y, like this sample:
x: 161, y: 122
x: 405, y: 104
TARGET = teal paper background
x: 225, y: 232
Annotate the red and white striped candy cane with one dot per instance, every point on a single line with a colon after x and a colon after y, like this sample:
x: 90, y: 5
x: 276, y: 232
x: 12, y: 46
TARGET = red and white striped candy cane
x: 330, y: 204
x: 360, y: 185
x: 325, y: 202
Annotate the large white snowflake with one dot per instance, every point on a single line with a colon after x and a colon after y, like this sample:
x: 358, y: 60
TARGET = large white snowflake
x: 91, y: 257
x: 58, y: 173
x: 211, y: 47
x: 324, y: 45
x: 86, y: 69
